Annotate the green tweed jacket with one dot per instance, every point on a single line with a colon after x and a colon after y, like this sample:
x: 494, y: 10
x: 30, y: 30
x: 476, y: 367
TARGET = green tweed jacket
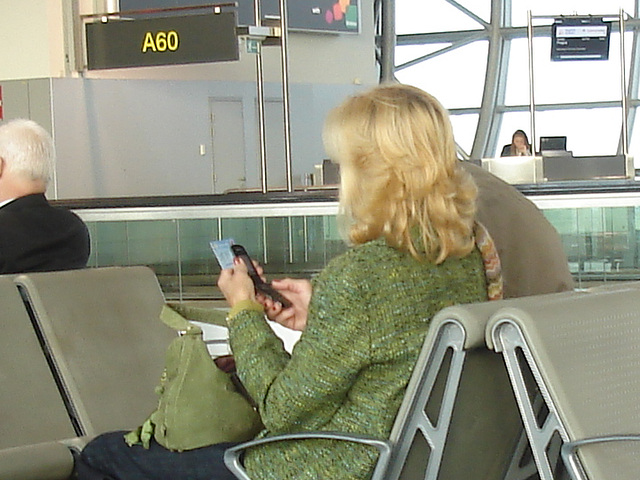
x: 368, y: 317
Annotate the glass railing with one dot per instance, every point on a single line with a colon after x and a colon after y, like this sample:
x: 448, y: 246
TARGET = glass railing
x: 601, y: 242
x: 295, y: 240
x: 599, y: 233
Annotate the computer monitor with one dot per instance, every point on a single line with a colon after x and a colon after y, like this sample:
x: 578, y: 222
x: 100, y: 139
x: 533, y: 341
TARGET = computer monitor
x: 330, y: 172
x: 553, y: 144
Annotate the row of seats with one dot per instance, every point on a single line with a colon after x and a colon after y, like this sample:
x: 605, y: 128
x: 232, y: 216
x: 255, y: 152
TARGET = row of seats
x: 498, y: 389
x: 582, y: 351
x: 563, y: 366
x: 80, y: 354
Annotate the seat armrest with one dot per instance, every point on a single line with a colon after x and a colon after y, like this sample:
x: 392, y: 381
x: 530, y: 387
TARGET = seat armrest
x: 76, y: 444
x: 42, y: 461
x: 232, y: 456
x: 570, y: 449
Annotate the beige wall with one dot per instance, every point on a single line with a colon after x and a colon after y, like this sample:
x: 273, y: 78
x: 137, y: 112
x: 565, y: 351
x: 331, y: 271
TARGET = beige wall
x: 31, y: 39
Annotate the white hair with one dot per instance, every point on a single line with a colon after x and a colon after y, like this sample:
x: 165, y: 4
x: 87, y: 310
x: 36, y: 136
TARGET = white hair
x: 27, y: 149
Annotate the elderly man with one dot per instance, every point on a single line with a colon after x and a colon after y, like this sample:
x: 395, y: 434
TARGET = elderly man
x: 34, y: 236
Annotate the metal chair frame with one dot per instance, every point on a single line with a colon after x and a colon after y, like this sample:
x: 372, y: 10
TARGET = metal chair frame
x: 411, y: 419
x: 508, y: 338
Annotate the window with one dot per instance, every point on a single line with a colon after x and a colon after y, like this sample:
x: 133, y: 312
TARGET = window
x: 444, y: 47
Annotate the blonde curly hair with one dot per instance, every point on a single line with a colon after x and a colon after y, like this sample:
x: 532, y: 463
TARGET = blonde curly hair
x: 399, y: 172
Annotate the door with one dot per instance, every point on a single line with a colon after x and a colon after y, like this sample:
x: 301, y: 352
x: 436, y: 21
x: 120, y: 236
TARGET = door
x: 228, y: 144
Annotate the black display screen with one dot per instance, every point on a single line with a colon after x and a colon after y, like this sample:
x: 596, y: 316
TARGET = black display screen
x: 186, y: 39
x: 580, y: 38
x: 331, y: 16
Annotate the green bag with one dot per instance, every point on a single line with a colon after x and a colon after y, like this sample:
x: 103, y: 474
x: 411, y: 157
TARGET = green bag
x: 199, y: 404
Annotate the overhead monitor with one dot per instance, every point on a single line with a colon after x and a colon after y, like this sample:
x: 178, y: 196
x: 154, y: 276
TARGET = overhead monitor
x: 176, y: 40
x: 553, y: 144
x: 326, y: 16
x: 580, y: 38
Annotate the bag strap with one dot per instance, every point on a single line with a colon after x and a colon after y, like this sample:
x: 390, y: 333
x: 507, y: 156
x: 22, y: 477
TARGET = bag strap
x: 174, y: 320
x: 209, y: 315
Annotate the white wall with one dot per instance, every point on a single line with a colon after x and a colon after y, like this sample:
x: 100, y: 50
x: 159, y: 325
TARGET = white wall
x: 139, y: 131
x: 131, y: 137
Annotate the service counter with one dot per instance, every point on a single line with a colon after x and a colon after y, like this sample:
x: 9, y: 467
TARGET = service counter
x: 297, y: 233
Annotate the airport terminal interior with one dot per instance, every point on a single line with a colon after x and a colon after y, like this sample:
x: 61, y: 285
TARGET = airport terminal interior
x: 173, y: 153
x: 213, y: 130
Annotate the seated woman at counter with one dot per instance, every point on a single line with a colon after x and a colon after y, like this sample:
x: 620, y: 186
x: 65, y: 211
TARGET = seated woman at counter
x: 409, y: 210
x: 518, y: 147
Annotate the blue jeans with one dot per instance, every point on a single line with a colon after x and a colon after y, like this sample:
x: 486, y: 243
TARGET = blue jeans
x: 108, y: 457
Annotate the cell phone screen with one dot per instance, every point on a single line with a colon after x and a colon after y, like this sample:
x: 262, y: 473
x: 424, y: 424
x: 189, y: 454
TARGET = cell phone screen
x: 259, y: 284
x: 222, y: 251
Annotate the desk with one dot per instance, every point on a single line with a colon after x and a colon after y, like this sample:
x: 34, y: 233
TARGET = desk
x: 564, y: 166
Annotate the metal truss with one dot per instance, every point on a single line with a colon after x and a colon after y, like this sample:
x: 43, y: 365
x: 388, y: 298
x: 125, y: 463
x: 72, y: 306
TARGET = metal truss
x: 499, y: 33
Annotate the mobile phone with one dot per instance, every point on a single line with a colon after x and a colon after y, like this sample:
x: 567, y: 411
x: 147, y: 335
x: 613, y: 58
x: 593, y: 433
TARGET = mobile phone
x: 260, y: 285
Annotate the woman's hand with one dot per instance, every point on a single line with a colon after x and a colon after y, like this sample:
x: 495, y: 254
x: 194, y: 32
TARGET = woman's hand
x: 298, y: 291
x: 235, y: 283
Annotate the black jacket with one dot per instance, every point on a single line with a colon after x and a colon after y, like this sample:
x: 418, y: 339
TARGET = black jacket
x: 36, y: 237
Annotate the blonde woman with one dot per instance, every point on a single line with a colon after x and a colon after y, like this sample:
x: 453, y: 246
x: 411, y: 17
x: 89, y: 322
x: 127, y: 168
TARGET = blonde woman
x: 409, y: 211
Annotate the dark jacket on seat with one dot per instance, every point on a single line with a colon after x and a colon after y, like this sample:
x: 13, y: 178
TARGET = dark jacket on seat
x: 530, y: 249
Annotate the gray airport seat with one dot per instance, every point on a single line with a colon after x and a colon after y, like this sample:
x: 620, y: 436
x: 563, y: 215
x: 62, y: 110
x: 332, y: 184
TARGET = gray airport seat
x: 583, y: 351
x: 102, y: 330
x: 41, y: 461
x: 31, y: 408
x: 458, y: 419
